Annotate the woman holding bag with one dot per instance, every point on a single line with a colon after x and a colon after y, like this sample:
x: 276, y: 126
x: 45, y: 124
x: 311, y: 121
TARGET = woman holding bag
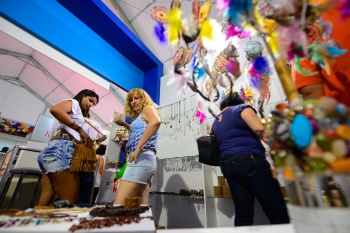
x: 55, y: 160
x: 239, y: 131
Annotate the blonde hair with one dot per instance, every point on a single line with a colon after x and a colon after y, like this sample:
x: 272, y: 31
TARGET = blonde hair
x: 145, y: 100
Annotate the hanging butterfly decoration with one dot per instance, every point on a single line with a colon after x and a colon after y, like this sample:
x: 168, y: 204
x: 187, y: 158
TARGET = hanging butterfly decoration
x: 226, y: 62
x: 188, y: 29
x: 226, y: 68
x: 258, y: 73
x: 182, y: 57
x: 160, y: 14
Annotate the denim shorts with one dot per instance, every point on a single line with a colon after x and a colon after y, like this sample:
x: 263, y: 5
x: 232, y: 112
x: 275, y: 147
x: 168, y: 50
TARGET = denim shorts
x: 143, y: 170
x: 57, y: 156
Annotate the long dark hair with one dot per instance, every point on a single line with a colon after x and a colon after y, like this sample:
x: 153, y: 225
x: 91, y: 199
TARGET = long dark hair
x: 101, y: 150
x: 232, y: 99
x: 82, y: 94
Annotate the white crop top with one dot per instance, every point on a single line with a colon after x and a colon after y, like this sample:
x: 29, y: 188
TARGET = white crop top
x: 76, y: 116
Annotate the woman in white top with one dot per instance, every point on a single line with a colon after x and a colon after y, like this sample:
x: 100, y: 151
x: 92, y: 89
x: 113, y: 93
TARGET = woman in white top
x: 55, y: 163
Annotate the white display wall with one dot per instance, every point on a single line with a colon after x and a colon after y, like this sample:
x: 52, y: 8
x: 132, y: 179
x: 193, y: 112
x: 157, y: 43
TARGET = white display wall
x: 179, y: 129
x: 176, y: 211
x: 19, y: 104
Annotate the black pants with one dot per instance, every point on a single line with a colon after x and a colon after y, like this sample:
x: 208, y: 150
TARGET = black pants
x: 85, y: 187
x: 249, y: 177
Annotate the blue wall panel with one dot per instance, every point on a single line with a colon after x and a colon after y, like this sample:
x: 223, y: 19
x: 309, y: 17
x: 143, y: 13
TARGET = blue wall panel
x: 94, y: 46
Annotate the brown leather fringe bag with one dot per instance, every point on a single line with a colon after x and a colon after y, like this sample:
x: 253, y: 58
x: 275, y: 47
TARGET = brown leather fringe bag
x: 84, y: 157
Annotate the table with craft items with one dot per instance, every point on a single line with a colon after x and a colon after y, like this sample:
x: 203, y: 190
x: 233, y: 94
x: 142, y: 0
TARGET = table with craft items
x: 60, y: 224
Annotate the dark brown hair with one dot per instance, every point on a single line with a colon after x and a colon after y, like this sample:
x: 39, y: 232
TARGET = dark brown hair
x: 82, y: 94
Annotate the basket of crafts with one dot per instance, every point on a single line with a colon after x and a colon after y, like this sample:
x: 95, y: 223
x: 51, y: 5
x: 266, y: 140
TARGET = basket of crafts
x: 310, y: 143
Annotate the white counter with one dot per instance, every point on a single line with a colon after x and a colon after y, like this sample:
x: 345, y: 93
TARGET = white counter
x: 146, y: 225
x: 282, y: 228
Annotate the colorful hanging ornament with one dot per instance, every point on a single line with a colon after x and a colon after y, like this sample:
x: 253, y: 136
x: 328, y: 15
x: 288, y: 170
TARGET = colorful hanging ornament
x: 345, y: 9
x: 204, y: 11
x: 253, y: 49
x: 159, y: 32
x: 232, y: 30
x: 175, y: 25
x: 222, y: 5
x: 238, y: 10
x: 160, y: 14
x: 182, y: 57
x: 201, y: 116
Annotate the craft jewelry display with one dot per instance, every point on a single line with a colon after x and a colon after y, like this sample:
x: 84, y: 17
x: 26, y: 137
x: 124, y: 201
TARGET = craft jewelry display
x: 179, y: 164
x: 178, y: 119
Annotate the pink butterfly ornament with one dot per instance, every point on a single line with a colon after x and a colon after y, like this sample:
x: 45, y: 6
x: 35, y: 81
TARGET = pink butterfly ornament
x: 201, y: 116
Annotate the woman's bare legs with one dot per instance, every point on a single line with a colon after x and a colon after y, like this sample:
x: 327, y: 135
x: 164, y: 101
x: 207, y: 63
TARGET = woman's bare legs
x: 128, y: 189
x: 144, y: 195
x: 47, y: 193
x: 66, y: 185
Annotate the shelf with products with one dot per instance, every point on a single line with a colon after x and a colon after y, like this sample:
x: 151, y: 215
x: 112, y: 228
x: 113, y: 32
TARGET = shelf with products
x: 219, y: 197
x: 121, y: 134
x: 176, y: 194
x: 114, y: 153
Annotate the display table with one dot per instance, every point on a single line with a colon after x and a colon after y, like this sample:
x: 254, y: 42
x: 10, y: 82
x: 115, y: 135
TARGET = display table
x: 60, y: 225
x: 282, y: 228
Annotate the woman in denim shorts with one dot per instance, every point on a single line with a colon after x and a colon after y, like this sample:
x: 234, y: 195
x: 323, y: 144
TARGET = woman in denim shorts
x: 141, y: 147
x: 239, y: 131
x: 54, y: 160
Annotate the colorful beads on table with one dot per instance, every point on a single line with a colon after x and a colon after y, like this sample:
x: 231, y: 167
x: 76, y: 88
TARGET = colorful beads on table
x: 281, y: 129
x: 11, y: 221
x: 318, y: 165
x: 343, y: 131
x: 301, y: 131
x: 120, y: 217
x: 105, y: 222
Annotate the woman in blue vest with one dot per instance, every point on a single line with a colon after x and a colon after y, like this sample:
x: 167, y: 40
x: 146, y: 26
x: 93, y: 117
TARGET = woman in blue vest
x: 141, y: 147
x: 239, y: 131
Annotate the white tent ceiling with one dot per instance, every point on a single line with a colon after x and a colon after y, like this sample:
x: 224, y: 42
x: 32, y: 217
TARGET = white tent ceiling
x: 50, y: 81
